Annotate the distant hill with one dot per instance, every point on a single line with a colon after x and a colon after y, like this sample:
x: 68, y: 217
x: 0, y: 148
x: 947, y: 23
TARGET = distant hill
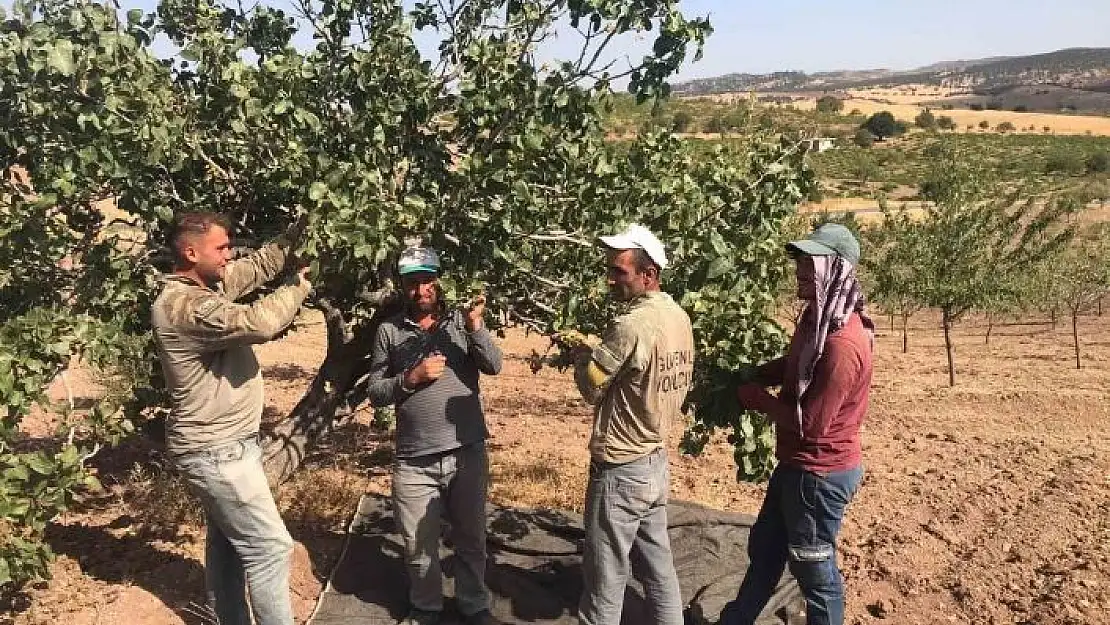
x: 1073, y: 68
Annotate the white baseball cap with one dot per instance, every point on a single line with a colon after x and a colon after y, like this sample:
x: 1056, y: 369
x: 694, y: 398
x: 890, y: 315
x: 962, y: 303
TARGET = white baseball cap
x: 637, y: 237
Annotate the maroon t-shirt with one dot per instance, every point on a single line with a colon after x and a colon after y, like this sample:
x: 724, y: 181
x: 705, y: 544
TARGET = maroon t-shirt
x: 833, y: 407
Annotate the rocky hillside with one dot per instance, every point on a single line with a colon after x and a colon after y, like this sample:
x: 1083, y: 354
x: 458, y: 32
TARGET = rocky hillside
x: 1074, y: 68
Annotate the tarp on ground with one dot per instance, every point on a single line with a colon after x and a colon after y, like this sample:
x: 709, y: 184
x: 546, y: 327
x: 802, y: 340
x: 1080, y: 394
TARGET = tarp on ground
x: 535, y: 569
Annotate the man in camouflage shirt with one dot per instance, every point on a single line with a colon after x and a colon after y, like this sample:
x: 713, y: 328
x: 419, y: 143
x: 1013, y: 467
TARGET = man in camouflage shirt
x: 203, y: 338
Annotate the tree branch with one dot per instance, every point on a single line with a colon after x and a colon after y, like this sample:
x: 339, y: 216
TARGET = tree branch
x: 766, y: 172
x: 533, y: 324
x: 550, y: 283
x: 597, y: 53
x: 208, y: 160
x: 173, y: 187
x: 339, y: 333
x: 557, y: 237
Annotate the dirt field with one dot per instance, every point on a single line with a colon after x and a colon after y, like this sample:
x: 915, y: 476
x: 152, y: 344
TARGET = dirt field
x: 987, y: 503
x: 905, y: 106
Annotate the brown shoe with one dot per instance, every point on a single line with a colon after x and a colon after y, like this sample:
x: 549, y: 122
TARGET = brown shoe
x: 482, y: 618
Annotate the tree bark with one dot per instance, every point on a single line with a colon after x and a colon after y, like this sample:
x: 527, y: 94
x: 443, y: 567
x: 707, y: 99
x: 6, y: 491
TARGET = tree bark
x: 1075, y: 337
x: 990, y: 326
x: 905, y: 333
x: 946, y: 321
x: 287, y: 444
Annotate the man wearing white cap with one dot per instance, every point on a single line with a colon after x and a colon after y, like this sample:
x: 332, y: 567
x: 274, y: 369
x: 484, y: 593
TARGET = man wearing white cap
x: 427, y: 361
x: 637, y: 380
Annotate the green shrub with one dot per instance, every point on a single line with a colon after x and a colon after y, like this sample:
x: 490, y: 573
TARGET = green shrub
x: 1098, y: 162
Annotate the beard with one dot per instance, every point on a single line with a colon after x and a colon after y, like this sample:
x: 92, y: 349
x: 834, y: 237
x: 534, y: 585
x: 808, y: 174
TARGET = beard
x: 424, y: 306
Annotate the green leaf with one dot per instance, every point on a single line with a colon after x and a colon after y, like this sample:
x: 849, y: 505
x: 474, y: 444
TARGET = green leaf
x: 317, y: 191
x: 60, y: 57
x: 415, y: 203
x: 134, y: 16
x: 69, y: 456
x: 40, y: 464
x: 17, y: 473
x: 719, y: 267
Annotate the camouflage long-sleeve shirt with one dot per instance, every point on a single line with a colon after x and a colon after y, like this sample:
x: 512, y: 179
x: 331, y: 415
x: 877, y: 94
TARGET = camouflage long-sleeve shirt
x: 204, y: 339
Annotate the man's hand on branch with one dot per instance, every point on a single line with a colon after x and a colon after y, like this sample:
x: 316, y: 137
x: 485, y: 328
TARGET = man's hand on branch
x: 303, y: 275
x: 752, y: 396
x: 296, y: 229
x: 474, y: 311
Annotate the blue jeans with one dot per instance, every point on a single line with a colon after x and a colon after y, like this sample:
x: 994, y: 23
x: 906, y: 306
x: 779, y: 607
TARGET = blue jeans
x: 247, y: 546
x: 626, y: 526
x: 452, y: 484
x: 797, y: 526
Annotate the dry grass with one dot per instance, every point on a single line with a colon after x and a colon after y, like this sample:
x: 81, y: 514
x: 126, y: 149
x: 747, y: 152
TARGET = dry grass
x: 321, y: 498
x: 1058, y: 124
x: 163, y: 496
x: 909, y: 94
x: 545, y: 480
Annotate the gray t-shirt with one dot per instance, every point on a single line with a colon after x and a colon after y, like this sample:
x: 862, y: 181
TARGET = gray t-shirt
x: 442, y: 415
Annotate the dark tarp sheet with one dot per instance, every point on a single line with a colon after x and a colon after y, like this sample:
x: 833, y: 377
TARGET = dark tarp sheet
x: 534, y: 569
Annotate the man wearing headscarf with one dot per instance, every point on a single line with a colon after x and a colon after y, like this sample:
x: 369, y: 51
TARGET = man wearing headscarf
x: 825, y: 379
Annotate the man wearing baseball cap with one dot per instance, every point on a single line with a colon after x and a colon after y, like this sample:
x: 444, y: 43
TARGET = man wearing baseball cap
x: 826, y: 380
x: 427, y: 361
x: 637, y: 380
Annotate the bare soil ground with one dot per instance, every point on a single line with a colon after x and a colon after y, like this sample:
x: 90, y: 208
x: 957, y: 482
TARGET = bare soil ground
x: 906, y: 106
x: 986, y: 503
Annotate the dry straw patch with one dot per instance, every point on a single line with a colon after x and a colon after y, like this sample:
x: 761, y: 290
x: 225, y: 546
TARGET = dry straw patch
x: 544, y: 480
x: 1058, y: 124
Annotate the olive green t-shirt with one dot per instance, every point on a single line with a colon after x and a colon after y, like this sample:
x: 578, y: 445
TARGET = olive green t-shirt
x: 649, y: 352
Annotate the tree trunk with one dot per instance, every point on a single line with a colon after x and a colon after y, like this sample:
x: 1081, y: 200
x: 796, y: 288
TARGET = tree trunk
x: 1053, y: 318
x: 1075, y: 337
x: 892, y: 322
x: 1100, y: 307
x: 905, y: 333
x: 946, y: 321
x: 990, y: 326
x: 285, y: 446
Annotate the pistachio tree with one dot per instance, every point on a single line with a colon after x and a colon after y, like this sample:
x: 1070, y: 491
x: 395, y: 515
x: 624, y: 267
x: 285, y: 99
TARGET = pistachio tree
x: 897, y: 250
x: 976, y: 235
x: 486, y: 147
x: 1077, y: 278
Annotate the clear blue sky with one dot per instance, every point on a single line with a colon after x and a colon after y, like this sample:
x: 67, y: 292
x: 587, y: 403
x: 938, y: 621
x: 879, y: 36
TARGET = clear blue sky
x: 761, y: 36
x: 813, y: 35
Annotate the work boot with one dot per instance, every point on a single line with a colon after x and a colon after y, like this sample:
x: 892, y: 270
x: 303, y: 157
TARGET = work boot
x: 420, y: 617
